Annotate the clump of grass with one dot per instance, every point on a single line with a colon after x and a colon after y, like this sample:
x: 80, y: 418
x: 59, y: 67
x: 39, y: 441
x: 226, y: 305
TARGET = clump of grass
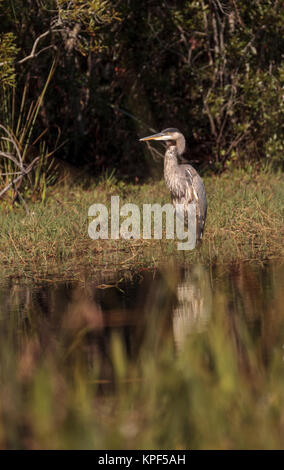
x: 245, y: 215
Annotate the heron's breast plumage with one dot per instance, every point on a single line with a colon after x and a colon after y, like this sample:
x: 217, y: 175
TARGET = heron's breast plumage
x: 176, y: 181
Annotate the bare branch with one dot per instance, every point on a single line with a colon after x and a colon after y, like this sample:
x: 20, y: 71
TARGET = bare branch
x: 205, y: 21
x: 24, y: 172
x: 13, y: 142
x: 12, y: 158
x: 211, y: 119
x: 236, y: 141
x: 34, y: 53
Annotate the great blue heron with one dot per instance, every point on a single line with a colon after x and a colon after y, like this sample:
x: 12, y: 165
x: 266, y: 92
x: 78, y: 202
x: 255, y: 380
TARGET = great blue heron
x: 183, y: 180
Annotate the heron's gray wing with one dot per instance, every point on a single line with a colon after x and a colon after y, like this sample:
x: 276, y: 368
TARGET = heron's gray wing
x: 193, y: 179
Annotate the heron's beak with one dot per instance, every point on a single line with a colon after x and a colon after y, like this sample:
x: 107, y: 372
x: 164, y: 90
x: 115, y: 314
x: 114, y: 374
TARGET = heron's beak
x: 159, y: 136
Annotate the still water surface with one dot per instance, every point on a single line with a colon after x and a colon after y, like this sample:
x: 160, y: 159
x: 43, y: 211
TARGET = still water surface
x: 176, y: 357
x: 170, y: 303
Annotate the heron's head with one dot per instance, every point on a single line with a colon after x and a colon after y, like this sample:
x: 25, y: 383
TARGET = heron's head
x: 171, y: 136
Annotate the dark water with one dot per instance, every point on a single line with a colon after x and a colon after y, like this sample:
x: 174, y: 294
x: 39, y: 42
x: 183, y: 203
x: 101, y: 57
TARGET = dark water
x: 168, y: 303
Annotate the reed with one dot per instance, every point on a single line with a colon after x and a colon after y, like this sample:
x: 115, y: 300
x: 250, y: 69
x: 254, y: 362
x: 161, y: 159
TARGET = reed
x: 26, y: 162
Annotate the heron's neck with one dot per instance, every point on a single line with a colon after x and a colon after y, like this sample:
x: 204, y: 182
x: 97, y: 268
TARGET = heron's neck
x: 171, y: 159
x: 171, y: 166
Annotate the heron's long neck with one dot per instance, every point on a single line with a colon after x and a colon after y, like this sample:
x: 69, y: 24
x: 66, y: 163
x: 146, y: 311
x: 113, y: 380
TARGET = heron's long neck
x: 171, y: 169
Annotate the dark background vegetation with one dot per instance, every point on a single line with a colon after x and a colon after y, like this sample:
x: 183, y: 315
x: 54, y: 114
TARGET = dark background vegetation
x: 123, y: 69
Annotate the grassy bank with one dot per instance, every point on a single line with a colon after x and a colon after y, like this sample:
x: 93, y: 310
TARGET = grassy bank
x: 245, y: 221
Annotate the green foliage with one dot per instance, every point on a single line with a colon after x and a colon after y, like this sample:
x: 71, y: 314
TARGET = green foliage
x: 8, y: 52
x: 241, y: 85
x: 213, y: 69
x: 89, y: 16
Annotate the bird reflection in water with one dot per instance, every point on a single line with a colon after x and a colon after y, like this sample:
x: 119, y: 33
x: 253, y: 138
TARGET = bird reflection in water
x: 194, y: 301
x: 81, y: 319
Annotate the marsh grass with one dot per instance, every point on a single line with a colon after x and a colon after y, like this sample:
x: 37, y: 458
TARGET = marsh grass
x: 245, y: 221
x: 26, y: 165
